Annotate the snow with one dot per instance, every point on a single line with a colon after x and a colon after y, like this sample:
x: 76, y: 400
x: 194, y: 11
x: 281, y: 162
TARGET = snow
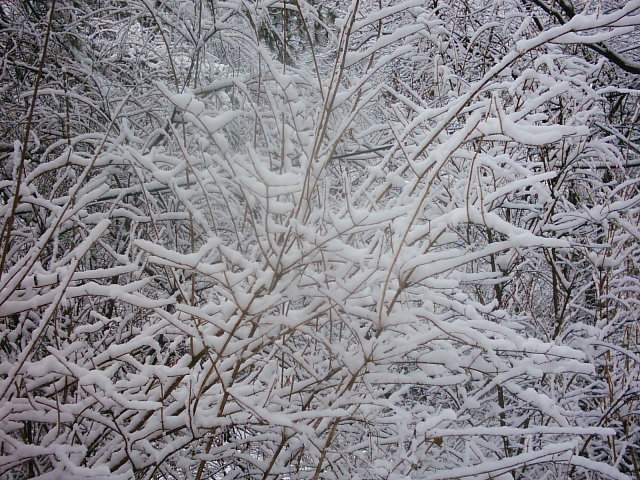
x: 407, y: 253
x: 213, y: 124
x: 493, y: 468
x: 606, y: 470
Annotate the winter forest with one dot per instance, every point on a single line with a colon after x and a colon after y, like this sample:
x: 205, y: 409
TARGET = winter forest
x: 308, y: 239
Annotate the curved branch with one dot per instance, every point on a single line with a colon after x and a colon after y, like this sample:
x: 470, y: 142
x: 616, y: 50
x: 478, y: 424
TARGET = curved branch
x: 626, y: 64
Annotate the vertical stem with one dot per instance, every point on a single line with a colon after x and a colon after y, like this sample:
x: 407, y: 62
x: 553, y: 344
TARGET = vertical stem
x: 5, y: 235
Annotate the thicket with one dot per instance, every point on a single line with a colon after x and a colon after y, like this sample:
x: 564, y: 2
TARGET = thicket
x: 288, y: 239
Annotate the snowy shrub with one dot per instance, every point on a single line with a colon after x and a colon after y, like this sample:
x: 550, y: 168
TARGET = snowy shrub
x: 365, y: 240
